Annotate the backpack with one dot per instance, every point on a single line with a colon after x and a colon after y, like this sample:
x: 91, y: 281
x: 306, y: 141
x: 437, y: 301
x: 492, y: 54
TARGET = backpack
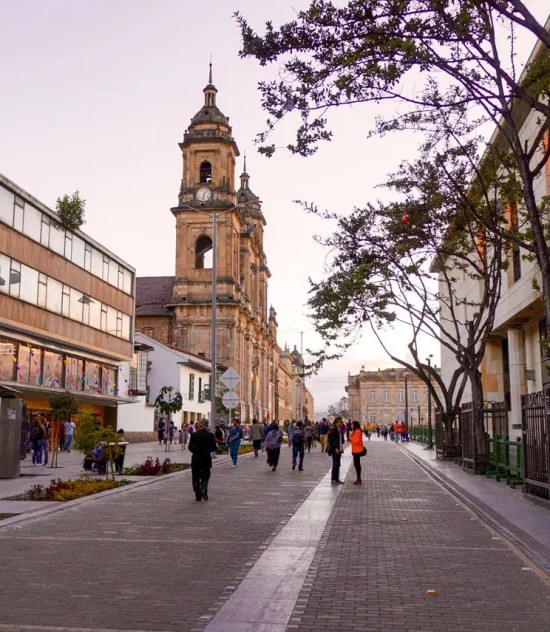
x: 298, y: 438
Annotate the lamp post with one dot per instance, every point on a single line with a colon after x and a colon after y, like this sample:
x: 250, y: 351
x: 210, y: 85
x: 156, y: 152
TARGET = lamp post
x: 430, y: 430
x: 302, y: 367
x: 214, y: 215
x: 407, y: 402
x: 276, y: 399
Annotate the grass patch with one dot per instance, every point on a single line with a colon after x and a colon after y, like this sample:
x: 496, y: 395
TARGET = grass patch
x: 62, y: 491
x: 155, y: 468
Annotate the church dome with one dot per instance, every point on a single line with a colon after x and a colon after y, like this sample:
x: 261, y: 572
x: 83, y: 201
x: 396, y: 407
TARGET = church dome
x: 209, y: 114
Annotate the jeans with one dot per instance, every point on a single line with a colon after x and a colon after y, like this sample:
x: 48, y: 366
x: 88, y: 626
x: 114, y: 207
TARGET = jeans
x: 336, y: 458
x: 45, y: 450
x: 68, y: 442
x: 397, y: 435
x: 357, y: 464
x: 200, y: 475
x: 298, y: 452
x: 37, y: 452
x: 234, y: 451
x: 273, y: 455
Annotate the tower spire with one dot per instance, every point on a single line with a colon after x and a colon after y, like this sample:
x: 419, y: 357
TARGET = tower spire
x: 210, y: 73
x: 244, y: 167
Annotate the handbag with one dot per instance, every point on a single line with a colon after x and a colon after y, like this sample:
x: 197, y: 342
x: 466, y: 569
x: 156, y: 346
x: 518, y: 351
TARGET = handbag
x: 363, y: 452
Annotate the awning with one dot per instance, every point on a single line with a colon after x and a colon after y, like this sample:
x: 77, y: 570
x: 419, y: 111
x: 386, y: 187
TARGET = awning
x: 34, y: 390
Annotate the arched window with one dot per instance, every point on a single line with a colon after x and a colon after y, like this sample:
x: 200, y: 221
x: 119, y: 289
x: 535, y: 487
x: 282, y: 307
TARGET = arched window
x: 206, y: 172
x: 203, y: 253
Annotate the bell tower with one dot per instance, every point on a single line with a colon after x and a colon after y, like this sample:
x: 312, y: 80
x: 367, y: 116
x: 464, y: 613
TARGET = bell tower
x: 207, y: 186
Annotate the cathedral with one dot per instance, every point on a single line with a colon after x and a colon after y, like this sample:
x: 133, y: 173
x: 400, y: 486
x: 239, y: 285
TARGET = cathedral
x: 177, y: 310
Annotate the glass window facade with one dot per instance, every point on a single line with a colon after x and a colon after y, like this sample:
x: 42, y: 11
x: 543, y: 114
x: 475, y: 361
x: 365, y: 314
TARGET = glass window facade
x: 25, y: 363
x: 39, y: 226
x: 29, y: 285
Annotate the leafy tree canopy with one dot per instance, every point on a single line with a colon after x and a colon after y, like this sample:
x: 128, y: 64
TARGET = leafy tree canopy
x: 71, y: 211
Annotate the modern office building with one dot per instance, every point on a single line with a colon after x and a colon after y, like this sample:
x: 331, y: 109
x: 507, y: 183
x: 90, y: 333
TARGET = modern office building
x: 66, y: 310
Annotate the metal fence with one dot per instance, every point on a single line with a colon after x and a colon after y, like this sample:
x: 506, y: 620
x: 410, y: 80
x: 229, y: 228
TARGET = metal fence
x: 476, y: 427
x: 447, y: 435
x: 535, y: 421
x: 505, y: 460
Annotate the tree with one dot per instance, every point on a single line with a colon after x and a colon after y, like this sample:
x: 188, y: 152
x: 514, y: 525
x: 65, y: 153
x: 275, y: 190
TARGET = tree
x: 387, y: 256
x: 71, y: 211
x: 168, y: 401
x: 91, y: 433
x: 376, y: 51
x: 340, y: 408
x: 63, y: 406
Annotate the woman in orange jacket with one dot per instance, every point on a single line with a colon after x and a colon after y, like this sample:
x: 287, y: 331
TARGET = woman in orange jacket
x: 357, y: 449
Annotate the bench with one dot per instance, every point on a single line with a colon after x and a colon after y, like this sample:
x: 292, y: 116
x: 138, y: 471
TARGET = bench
x: 103, y: 459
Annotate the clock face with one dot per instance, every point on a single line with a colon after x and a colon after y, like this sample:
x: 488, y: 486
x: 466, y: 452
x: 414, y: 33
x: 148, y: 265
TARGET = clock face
x: 204, y: 194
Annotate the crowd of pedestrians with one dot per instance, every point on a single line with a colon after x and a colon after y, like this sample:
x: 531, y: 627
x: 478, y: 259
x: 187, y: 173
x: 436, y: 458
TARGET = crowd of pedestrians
x: 41, y: 438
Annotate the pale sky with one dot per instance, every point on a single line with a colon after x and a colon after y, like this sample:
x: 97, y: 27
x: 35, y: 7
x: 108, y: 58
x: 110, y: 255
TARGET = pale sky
x: 95, y: 96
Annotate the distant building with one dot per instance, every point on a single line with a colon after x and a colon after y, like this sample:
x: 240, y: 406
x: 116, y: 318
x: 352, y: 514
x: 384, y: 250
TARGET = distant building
x: 66, y: 310
x: 378, y: 397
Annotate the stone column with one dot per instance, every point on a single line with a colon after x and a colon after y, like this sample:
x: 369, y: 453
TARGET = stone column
x: 518, y: 387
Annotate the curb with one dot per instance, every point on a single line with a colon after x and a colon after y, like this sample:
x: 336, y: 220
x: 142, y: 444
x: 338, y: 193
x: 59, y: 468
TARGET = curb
x: 64, y: 506
x: 520, y: 542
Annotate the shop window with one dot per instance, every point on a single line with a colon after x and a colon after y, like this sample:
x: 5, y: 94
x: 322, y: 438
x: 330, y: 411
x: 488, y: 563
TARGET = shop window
x: 108, y: 381
x: 92, y: 381
x: 29, y: 365
x: 8, y: 360
x: 53, y: 369
x: 74, y: 374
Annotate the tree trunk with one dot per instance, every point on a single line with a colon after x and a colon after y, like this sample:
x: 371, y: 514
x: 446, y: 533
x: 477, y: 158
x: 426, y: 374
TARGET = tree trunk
x: 480, y: 436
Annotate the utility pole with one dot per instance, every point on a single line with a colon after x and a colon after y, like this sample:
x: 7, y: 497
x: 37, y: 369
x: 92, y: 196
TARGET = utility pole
x: 430, y: 429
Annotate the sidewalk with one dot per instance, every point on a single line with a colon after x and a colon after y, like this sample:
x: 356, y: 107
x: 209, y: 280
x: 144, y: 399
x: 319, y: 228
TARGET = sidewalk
x: 70, y: 466
x: 523, y: 522
x: 272, y: 552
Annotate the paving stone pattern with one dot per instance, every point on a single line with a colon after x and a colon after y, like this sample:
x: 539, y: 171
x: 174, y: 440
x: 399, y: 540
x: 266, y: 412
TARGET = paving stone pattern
x: 150, y: 559
x: 372, y: 570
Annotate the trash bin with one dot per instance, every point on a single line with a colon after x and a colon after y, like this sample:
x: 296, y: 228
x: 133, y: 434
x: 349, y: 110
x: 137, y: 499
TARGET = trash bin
x: 11, y: 417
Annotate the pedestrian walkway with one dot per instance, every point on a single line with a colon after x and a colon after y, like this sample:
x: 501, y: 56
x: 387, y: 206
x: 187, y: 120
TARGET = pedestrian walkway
x: 271, y: 552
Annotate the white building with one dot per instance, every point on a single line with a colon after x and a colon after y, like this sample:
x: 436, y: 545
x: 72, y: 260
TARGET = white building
x: 513, y: 364
x: 133, y: 382
x: 186, y: 372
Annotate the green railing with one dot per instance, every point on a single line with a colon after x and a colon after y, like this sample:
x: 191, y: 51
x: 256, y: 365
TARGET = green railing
x: 504, y: 460
x: 419, y: 434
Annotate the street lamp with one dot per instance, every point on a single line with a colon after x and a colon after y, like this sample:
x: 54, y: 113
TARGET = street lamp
x: 430, y: 430
x: 214, y: 214
x: 303, y: 373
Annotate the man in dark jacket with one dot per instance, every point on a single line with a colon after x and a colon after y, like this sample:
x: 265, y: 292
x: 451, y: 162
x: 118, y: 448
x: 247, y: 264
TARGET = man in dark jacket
x: 335, y: 449
x: 201, y: 446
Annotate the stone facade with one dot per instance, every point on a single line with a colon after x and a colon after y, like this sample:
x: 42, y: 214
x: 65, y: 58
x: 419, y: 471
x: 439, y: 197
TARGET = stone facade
x: 246, y: 333
x: 378, y: 397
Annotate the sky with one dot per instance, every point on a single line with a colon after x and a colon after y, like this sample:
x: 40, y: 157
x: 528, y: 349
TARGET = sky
x: 96, y: 95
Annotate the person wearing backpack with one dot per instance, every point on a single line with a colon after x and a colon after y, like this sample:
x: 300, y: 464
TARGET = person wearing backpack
x: 234, y: 438
x: 37, y: 437
x: 298, y: 441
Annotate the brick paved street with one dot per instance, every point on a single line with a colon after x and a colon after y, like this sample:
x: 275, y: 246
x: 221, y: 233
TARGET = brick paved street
x: 152, y: 559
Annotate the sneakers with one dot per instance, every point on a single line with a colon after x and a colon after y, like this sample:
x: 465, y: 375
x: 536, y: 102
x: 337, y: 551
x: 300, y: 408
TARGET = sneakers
x: 300, y: 469
x: 234, y: 465
x: 337, y: 482
x: 293, y: 466
x: 358, y: 482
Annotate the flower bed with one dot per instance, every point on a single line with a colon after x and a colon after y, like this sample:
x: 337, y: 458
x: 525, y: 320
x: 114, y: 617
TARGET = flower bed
x: 155, y: 468
x: 62, y: 491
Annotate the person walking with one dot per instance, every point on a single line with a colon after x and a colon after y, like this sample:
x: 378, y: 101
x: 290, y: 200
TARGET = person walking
x: 272, y: 445
x: 234, y: 438
x: 335, y: 449
x: 37, y: 437
x: 161, y: 427
x: 323, y: 434
x: 172, y: 429
x: 357, y: 449
x: 396, y: 431
x: 184, y: 435
x: 308, y: 431
x: 201, y: 446
x: 69, y: 433
x: 256, y: 435
x: 297, y: 440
